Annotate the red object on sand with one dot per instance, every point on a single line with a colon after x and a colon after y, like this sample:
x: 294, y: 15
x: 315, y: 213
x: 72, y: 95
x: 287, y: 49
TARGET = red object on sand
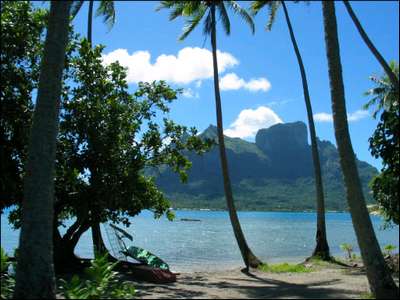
x: 151, y: 274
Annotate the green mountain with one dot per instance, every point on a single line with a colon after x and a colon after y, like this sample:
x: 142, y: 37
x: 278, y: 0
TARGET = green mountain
x: 274, y: 173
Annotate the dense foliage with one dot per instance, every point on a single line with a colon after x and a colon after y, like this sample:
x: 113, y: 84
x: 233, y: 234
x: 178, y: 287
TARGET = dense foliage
x: 107, y: 134
x: 384, y: 144
x: 7, y: 280
x: 107, y: 137
x: 100, y: 281
x: 22, y: 34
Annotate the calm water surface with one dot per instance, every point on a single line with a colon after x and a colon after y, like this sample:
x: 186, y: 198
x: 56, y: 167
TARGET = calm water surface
x: 210, y: 244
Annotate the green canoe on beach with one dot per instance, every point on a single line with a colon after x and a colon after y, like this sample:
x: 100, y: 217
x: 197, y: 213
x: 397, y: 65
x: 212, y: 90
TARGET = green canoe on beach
x: 146, y: 257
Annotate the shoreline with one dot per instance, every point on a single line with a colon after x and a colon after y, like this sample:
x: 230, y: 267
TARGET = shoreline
x: 330, y: 281
x: 254, y: 210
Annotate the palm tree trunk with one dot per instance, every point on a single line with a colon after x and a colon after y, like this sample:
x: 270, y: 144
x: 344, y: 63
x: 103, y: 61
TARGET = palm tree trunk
x: 97, y: 239
x: 90, y: 18
x: 380, y: 280
x: 322, y: 248
x: 248, y: 257
x: 393, y: 78
x: 35, y: 270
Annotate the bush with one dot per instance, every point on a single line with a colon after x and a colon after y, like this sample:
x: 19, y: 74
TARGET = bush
x: 7, y: 281
x: 347, y: 248
x: 100, y: 282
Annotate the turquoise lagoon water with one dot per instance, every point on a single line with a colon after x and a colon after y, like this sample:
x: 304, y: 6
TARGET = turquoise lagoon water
x: 210, y: 244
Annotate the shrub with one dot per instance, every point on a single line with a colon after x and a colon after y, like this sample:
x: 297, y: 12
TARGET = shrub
x: 100, y: 282
x: 7, y: 281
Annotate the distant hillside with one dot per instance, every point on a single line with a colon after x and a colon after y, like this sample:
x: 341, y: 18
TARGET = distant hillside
x: 274, y: 173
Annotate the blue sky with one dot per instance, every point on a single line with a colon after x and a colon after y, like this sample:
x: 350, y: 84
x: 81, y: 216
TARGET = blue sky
x: 259, y: 73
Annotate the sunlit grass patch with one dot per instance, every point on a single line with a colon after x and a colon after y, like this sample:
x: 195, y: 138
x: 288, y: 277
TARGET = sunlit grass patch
x: 367, y: 295
x: 285, y: 268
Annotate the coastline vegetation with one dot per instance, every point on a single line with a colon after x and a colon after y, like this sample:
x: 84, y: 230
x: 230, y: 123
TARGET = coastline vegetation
x: 285, y: 268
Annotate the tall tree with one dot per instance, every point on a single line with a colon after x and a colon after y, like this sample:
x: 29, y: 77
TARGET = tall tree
x: 35, y: 270
x: 380, y: 280
x: 105, y: 9
x: 195, y: 11
x: 384, y: 144
x: 392, y: 76
x: 322, y: 248
x: 111, y: 136
x: 22, y: 39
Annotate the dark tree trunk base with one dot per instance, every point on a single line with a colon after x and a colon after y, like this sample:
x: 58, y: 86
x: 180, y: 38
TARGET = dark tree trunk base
x: 322, y: 253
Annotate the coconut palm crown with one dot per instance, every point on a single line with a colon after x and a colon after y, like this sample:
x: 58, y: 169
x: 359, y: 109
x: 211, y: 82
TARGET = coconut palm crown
x: 195, y: 11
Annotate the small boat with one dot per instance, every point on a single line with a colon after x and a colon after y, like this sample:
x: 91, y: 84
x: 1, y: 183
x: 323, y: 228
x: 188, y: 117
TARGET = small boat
x: 190, y: 220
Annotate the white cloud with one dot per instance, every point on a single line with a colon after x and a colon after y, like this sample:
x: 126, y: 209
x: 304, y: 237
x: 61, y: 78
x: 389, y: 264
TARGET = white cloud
x: 279, y: 103
x: 357, y: 115
x: 190, y: 64
x: 189, y: 93
x: 323, y: 117
x: 250, y: 121
x: 351, y: 117
x: 232, y: 82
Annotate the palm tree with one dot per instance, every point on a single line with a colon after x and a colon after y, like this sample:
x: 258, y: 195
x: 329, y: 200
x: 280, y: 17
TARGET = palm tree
x: 35, y: 271
x: 392, y: 76
x: 195, y: 11
x: 105, y: 9
x: 322, y: 249
x: 380, y: 280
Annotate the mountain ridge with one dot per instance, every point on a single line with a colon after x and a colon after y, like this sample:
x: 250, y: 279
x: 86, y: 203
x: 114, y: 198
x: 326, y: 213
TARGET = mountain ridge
x: 273, y: 173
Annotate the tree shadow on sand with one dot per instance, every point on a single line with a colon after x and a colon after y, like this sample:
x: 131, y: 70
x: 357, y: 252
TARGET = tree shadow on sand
x: 247, y: 286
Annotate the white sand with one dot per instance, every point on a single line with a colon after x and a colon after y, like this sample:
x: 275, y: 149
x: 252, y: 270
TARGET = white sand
x: 327, y: 282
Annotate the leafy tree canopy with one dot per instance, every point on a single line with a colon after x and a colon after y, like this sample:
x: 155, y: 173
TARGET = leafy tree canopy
x: 22, y: 36
x: 384, y: 144
x: 107, y: 134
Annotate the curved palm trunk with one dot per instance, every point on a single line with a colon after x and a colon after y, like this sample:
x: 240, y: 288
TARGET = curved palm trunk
x: 380, y: 280
x: 322, y: 248
x: 248, y: 257
x: 90, y: 18
x: 35, y: 270
x: 393, y: 78
x: 98, y: 243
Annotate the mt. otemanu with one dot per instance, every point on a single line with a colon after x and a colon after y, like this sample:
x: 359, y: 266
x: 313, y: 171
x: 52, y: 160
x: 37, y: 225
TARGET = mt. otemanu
x: 274, y: 173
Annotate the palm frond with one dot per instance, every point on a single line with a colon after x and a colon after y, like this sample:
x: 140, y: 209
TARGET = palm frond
x: 272, y: 8
x: 166, y: 4
x: 75, y: 7
x: 176, y: 6
x: 207, y: 25
x: 256, y: 6
x: 192, y: 23
x: 226, y: 24
x: 242, y: 13
x: 107, y: 10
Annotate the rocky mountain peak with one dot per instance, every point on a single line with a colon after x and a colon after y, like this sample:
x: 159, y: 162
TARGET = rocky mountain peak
x: 282, y: 136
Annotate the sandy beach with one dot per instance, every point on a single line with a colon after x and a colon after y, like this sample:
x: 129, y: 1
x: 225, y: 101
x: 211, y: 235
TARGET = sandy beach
x: 328, y: 282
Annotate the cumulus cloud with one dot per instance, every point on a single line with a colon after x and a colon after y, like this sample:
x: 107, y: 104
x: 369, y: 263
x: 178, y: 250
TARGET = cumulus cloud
x: 351, y: 117
x: 357, y: 115
x: 190, y: 64
x: 250, y: 121
x: 323, y: 117
x: 189, y: 93
x: 232, y: 82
